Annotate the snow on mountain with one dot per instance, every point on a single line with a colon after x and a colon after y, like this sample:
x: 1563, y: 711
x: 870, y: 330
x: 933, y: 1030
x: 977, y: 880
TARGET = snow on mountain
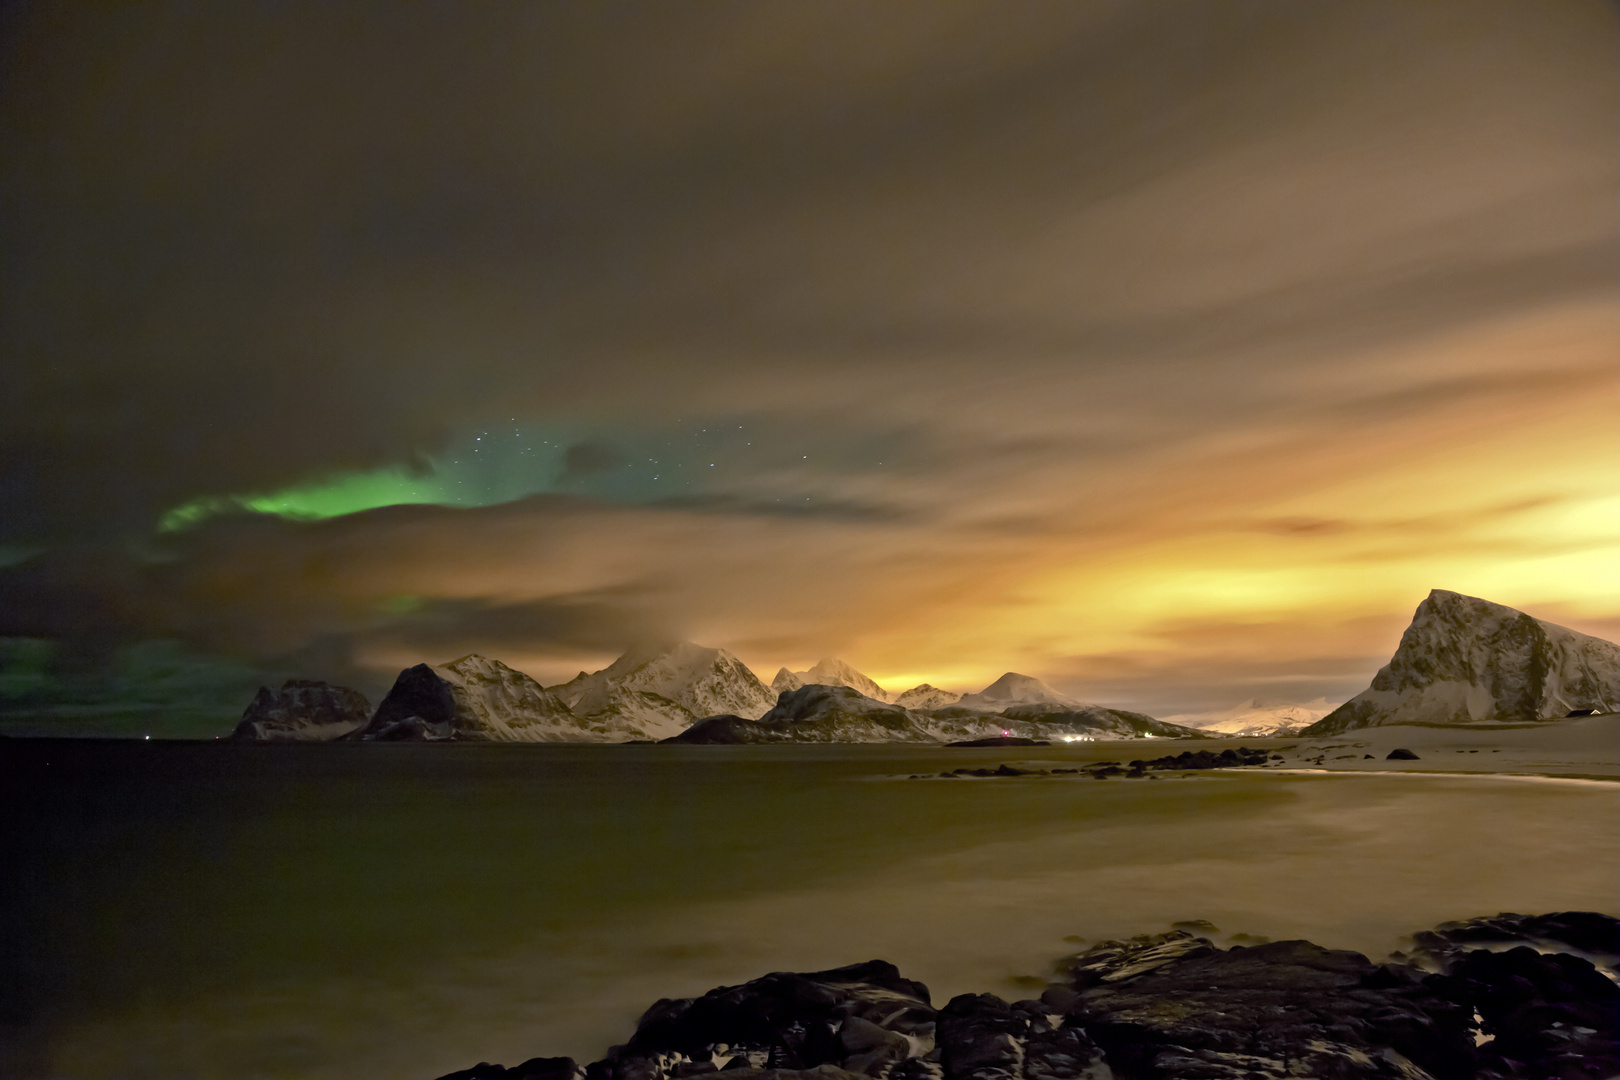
x: 303, y: 710
x: 659, y: 690
x: 829, y: 671
x: 505, y: 705
x: 1014, y: 689
x: 926, y: 697
x: 814, y: 713
x: 478, y: 699
x: 1050, y: 721
x: 1464, y: 660
x: 1256, y: 717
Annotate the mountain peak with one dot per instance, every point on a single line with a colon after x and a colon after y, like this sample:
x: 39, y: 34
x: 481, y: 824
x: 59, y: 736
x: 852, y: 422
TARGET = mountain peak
x: 1015, y: 689
x: 830, y: 671
x: 1463, y: 659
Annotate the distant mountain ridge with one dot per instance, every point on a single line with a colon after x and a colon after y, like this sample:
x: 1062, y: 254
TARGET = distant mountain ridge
x: 1467, y: 660
x: 1257, y: 718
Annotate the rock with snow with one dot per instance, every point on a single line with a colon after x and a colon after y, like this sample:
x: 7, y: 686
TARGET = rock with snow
x: 303, y: 710
x: 814, y: 713
x: 785, y: 680
x: 926, y: 697
x: 659, y: 690
x: 1014, y: 689
x: 1256, y: 718
x: 505, y: 705
x: 830, y: 671
x: 478, y: 699
x: 1466, y: 660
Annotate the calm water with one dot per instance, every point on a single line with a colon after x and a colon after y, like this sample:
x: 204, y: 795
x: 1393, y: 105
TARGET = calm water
x: 211, y: 910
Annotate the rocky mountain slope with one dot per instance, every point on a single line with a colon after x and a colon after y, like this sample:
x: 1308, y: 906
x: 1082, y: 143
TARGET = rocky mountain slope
x: 926, y: 697
x: 814, y: 713
x: 1256, y: 718
x: 817, y: 713
x: 477, y: 699
x: 1465, y: 660
x: 1014, y: 689
x: 659, y: 690
x: 830, y: 671
x: 303, y: 710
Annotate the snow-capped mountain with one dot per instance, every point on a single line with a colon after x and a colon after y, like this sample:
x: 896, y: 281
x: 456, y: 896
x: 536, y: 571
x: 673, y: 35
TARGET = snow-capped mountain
x: 505, y: 705
x: 785, y: 681
x: 1256, y: 717
x: 479, y: 699
x: 659, y: 690
x: 1014, y: 689
x: 303, y: 710
x: 1464, y: 660
x: 814, y: 713
x: 829, y: 671
x: 926, y: 697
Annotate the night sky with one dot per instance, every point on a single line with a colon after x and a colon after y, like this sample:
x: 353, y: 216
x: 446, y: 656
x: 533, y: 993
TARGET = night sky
x: 1170, y: 352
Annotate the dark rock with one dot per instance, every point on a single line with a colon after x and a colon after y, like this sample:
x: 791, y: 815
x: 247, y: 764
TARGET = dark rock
x: 1400, y: 753
x: 784, y: 1020
x: 1267, y: 1009
x: 421, y: 706
x: 1201, y: 926
x: 1589, y: 933
x: 1553, y: 1016
x: 303, y: 709
x: 1230, y: 758
x: 1166, y: 1006
x: 813, y: 713
x: 481, y: 1071
x: 981, y: 1037
x: 725, y: 730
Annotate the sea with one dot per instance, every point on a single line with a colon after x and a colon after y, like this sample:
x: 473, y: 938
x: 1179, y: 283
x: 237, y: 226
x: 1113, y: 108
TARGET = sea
x: 215, y: 909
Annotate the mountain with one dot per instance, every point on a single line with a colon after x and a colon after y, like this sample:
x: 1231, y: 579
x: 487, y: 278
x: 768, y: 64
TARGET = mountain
x: 829, y: 672
x: 303, y: 710
x: 1256, y: 717
x: 785, y: 680
x: 1014, y: 689
x: 813, y: 713
x: 477, y: 699
x: 1050, y: 721
x: 1464, y: 660
x: 658, y: 691
x: 926, y: 697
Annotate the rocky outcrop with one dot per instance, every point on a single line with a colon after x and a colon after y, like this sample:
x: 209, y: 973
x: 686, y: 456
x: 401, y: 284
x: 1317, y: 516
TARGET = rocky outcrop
x: 477, y: 699
x: 925, y: 696
x: 1167, y: 1006
x: 659, y: 690
x: 1465, y: 660
x: 814, y: 713
x: 303, y: 710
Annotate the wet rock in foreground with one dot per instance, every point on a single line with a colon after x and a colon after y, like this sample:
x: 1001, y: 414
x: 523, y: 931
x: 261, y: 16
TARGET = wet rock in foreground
x: 1489, y: 999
